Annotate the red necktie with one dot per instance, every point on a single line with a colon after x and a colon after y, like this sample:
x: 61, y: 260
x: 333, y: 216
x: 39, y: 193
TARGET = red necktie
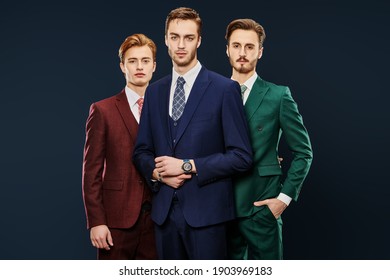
x: 140, y: 102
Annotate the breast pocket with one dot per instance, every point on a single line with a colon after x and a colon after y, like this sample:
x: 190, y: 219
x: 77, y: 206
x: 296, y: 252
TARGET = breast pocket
x: 202, y: 117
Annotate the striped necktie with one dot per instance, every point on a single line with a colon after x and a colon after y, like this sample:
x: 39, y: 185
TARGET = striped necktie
x: 140, y: 103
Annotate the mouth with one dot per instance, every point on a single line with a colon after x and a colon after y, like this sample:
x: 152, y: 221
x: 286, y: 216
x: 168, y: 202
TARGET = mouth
x: 242, y: 60
x: 181, y: 53
x: 140, y: 75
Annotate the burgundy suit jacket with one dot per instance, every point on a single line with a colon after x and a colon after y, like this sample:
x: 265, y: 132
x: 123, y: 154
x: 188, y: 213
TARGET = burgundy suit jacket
x: 113, y: 190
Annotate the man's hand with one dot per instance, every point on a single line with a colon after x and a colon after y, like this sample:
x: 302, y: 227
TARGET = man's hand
x: 101, y: 237
x: 168, y: 166
x: 275, y: 205
x: 175, y: 181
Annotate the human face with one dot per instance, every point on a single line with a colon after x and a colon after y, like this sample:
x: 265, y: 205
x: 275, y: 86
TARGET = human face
x: 244, y: 51
x: 138, y: 66
x: 182, y: 40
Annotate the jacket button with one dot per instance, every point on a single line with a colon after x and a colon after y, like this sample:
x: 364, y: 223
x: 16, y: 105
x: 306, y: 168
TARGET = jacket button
x: 260, y: 128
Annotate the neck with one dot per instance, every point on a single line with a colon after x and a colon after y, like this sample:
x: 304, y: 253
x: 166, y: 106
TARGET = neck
x: 140, y: 90
x: 181, y: 70
x: 241, y: 77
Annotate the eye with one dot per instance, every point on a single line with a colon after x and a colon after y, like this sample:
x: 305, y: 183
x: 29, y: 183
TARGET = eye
x: 132, y: 61
x: 173, y: 37
x: 235, y: 46
x: 146, y: 61
x: 190, y: 39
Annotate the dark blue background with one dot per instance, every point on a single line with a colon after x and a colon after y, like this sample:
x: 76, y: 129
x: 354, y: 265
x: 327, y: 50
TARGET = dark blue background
x: 57, y: 57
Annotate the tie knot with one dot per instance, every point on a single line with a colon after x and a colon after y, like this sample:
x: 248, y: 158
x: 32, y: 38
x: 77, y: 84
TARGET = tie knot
x: 243, y: 88
x: 180, y: 81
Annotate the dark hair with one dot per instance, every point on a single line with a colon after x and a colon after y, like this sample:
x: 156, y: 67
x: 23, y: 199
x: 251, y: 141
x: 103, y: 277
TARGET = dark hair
x: 246, y: 24
x: 184, y: 14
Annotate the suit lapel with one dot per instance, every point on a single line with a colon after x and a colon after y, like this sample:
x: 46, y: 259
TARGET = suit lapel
x: 255, y: 98
x: 163, y: 99
x: 198, y: 89
x: 127, y: 116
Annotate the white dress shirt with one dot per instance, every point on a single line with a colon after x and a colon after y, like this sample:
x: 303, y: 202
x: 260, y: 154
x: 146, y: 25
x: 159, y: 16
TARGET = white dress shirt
x: 249, y: 85
x: 132, y: 98
x: 189, y: 77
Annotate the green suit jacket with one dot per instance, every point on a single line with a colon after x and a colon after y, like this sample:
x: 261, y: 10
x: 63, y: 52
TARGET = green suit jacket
x: 271, y: 110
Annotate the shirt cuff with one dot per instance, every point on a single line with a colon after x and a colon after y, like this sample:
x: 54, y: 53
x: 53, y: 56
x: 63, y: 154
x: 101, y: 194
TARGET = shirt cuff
x: 285, y: 198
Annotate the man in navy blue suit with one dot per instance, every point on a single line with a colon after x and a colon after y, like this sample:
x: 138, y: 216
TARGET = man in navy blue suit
x: 192, y: 138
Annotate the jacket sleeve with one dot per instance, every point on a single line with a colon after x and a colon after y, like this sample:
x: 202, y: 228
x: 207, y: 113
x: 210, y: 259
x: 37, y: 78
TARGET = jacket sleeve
x: 93, y: 165
x: 298, y: 141
x: 238, y: 152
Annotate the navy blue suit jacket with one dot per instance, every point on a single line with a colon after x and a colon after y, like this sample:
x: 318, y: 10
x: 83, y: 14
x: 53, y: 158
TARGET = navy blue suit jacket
x: 212, y: 131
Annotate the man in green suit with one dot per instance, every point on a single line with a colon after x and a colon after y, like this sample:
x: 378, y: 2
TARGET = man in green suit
x: 260, y: 196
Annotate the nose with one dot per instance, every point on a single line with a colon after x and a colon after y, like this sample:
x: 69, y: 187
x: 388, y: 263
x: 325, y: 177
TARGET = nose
x: 242, y: 52
x: 139, y: 65
x: 181, y: 43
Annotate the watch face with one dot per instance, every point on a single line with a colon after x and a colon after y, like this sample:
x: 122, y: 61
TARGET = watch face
x: 187, y: 166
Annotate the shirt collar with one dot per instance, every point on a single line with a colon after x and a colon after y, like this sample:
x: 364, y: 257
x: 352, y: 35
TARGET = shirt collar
x: 132, y: 96
x: 249, y: 83
x: 190, y: 76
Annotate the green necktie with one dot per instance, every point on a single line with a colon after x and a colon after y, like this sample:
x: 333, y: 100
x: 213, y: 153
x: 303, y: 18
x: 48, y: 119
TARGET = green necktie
x: 243, y: 89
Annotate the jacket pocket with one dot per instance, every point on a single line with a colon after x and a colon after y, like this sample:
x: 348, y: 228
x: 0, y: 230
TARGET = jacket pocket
x: 270, y: 170
x: 113, y: 185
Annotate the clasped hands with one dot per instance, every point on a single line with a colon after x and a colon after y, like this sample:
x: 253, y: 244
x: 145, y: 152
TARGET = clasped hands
x: 168, y: 170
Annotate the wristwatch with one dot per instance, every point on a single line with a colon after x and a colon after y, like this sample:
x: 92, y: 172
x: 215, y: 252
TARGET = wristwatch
x: 187, y: 166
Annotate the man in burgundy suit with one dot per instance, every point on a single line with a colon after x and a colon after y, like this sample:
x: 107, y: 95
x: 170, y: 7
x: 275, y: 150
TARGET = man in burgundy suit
x: 117, y: 200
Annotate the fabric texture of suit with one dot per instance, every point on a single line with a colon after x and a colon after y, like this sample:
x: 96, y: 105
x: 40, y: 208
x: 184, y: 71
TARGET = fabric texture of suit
x: 113, y: 189
x: 212, y: 131
x: 271, y: 110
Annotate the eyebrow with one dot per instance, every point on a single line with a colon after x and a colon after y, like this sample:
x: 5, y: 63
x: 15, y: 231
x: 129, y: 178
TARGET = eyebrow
x: 186, y: 35
x: 146, y: 57
x: 248, y: 44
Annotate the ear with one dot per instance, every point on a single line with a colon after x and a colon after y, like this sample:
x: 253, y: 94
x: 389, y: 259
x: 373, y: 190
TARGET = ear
x: 260, y: 54
x: 166, y: 40
x: 122, y: 68
x: 199, y: 42
x: 227, y: 50
x: 154, y: 66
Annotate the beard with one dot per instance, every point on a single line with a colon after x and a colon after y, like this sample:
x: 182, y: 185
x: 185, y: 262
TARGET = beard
x: 243, y: 69
x: 185, y: 61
